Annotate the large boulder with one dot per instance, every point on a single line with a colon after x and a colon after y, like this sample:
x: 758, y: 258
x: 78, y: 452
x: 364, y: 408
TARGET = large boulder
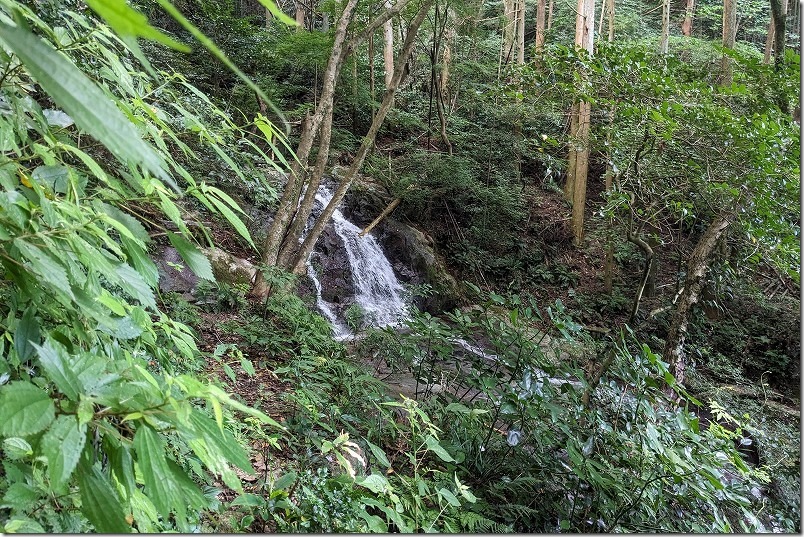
x: 230, y: 269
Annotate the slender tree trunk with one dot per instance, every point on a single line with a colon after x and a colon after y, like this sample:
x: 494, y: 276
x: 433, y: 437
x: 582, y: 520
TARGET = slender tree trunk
x: 550, y: 14
x: 520, y: 32
x: 268, y: 18
x: 686, y: 26
x: 311, y: 126
x: 301, y: 14
x: 289, y: 201
x: 578, y: 161
x: 776, y: 32
x: 664, y: 40
x: 541, y: 20
x: 697, y: 267
x: 388, y: 48
x: 729, y: 34
x: 299, y: 260
x: 610, y: 11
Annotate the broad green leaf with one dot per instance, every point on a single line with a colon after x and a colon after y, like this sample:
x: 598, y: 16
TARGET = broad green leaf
x: 449, y: 496
x: 99, y: 501
x: 26, y: 334
x: 133, y: 284
x: 48, y: 269
x: 82, y: 99
x: 62, y: 445
x: 223, y: 442
x: 17, y: 524
x: 154, y: 468
x: 55, y: 178
x: 127, y: 21
x: 141, y: 262
x: 285, y: 481
x: 248, y: 500
x: 57, y: 365
x: 196, y: 260
x: 25, y: 409
x: 20, y: 496
x: 435, y: 447
x: 379, y: 454
x: 376, y: 483
x: 129, y: 223
x: 233, y: 219
x: 17, y: 448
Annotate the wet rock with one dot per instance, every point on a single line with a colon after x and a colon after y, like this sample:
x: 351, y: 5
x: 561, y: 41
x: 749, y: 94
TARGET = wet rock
x: 174, y: 275
x: 332, y: 265
x: 230, y: 269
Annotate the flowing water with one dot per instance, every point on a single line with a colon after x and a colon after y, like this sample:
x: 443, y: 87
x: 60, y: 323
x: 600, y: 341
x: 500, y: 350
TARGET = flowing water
x: 377, y: 290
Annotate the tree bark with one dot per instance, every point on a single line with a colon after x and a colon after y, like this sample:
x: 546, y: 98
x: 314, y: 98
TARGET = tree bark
x: 300, y: 259
x: 686, y: 26
x: 301, y: 14
x: 697, y: 267
x: 383, y: 214
x: 578, y: 160
x: 520, y: 33
x: 311, y: 126
x: 664, y: 40
x: 729, y: 34
x: 776, y: 32
x: 541, y: 19
x: 388, y: 48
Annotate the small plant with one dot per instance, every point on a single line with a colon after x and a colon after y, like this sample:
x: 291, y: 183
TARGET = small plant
x: 222, y: 296
x: 181, y: 310
x: 355, y: 317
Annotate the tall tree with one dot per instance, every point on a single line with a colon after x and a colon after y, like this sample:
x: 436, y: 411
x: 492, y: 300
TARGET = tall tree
x: 578, y: 160
x: 279, y: 233
x: 729, y: 37
x: 541, y: 19
x: 388, y: 48
x: 689, y: 11
x: 664, y: 40
x: 776, y: 32
x: 299, y: 259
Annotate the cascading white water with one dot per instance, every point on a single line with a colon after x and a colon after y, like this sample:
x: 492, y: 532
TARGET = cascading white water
x: 377, y: 290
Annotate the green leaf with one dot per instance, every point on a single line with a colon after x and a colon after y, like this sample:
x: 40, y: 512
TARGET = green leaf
x: 25, y: 409
x: 140, y: 261
x: 17, y: 448
x: 17, y: 524
x: 154, y: 468
x: 127, y: 222
x: 20, y: 496
x: 62, y: 445
x: 278, y: 13
x: 57, y: 365
x: 285, y: 481
x: 222, y: 441
x: 133, y: 284
x: 27, y: 332
x: 48, y: 269
x: 83, y: 100
x: 435, y: 447
x: 449, y: 496
x: 379, y: 454
x: 196, y: 260
x: 248, y: 500
x: 376, y: 483
x: 232, y: 218
x: 129, y: 22
x: 99, y: 501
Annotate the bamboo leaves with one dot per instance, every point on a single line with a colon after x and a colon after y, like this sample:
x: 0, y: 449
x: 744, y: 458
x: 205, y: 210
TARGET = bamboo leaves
x: 82, y: 99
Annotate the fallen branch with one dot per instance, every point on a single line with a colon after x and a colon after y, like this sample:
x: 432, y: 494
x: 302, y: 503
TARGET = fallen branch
x: 386, y: 212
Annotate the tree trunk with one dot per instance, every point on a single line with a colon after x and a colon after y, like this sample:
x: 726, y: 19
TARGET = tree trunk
x: 290, y: 195
x: 541, y: 19
x: 300, y: 259
x: 664, y: 40
x: 301, y: 14
x: 550, y: 14
x: 729, y: 33
x: 388, y: 48
x: 520, y: 33
x: 779, y: 23
x: 383, y: 214
x: 686, y: 26
x: 697, y: 267
x: 578, y: 161
x: 610, y: 11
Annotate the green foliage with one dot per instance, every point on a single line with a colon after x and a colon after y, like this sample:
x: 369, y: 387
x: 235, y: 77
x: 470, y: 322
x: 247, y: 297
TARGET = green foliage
x: 222, y: 296
x: 93, y: 409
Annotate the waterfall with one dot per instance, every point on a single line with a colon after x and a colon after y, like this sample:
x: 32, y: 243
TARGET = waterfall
x: 377, y: 290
